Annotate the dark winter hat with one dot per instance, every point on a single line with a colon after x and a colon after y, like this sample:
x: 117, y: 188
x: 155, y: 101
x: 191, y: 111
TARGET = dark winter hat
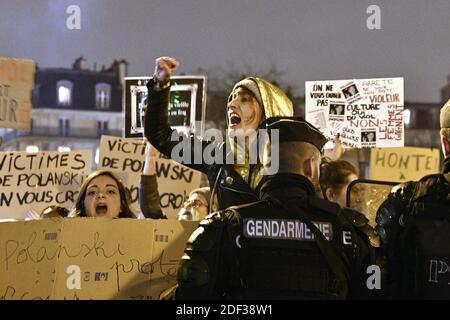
x: 296, y: 129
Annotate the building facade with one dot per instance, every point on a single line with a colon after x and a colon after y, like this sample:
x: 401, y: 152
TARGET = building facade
x: 72, y: 108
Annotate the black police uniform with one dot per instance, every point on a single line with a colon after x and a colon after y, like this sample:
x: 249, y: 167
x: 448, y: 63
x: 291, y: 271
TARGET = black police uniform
x: 289, y: 245
x: 414, y: 226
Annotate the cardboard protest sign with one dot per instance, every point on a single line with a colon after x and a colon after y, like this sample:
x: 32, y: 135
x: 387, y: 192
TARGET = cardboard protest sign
x: 90, y: 258
x: 27, y: 258
x: 403, y: 164
x: 16, y: 85
x: 126, y: 157
x: 365, y: 112
x: 186, y: 106
x: 34, y: 181
x: 175, y: 182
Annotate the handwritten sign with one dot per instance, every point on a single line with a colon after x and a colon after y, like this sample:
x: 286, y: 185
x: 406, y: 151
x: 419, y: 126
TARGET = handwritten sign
x: 365, y: 112
x: 26, y: 270
x: 90, y: 258
x: 16, y: 84
x: 403, y: 164
x: 186, y: 105
x: 38, y: 180
x: 126, y: 157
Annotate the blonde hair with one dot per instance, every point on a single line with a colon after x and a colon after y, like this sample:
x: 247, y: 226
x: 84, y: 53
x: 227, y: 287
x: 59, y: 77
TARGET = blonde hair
x: 445, y: 132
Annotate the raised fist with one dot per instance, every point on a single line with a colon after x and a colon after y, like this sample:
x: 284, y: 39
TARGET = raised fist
x: 165, y: 67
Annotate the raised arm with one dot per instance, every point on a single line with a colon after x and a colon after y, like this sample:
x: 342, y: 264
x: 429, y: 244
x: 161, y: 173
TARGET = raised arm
x: 157, y: 127
x: 148, y: 190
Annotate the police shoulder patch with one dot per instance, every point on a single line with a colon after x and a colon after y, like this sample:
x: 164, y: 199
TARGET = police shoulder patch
x: 284, y: 229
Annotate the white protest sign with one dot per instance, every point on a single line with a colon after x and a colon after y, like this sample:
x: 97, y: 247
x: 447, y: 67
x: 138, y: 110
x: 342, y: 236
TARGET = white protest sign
x: 126, y: 158
x: 365, y: 112
x: 34, y: 181
x: 16, y: 84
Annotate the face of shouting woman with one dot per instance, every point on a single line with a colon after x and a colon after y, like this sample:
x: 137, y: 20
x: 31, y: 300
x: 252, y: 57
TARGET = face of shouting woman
x: 244, y: 111
x: 102, y: 198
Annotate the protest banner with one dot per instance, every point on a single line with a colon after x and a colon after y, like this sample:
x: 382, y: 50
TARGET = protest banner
x: 34, y: 181
x: 365, y: 112
x: 16, y: 85
x: 403, y: 164
x: 186, y: 105
x: 126, y: 157
x: 90, y: 258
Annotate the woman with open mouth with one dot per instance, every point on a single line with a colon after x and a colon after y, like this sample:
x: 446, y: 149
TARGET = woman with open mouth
x: 252, y: 100
x: 102, y: 195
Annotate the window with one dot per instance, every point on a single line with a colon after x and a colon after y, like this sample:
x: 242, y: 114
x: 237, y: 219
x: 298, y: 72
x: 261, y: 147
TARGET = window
x: 36, y: 96
x: 64, y: 127
x: 63, y: 149
x: 102, y: 95
x: 32, y: 149
x: 64, y: 92
x: 97, y: 155
x: 424, y: 119
x: 407, y: 117
x: 102, y: 128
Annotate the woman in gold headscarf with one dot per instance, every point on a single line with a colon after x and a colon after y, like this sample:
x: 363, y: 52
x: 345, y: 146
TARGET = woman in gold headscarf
x: 234, y: 177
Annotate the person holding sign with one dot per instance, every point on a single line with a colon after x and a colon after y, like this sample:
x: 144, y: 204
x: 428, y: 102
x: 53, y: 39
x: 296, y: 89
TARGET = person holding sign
x: 251, y: 101
x: 194, y: 209
x: 148, y: 189
x: 197, y: 206
x: 414, y: 227
x: 102, y: 194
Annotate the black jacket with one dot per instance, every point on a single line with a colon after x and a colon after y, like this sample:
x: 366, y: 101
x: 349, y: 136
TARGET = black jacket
x: 392, y: 222
x: 149, y: 197
x: 389, y: 213
x: 231, y: 184
x: 239, y: 265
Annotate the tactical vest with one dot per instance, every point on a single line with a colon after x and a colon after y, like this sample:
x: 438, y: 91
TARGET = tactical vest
x: 424, y: 244
x: 279, y: 255
x: 264, y: 251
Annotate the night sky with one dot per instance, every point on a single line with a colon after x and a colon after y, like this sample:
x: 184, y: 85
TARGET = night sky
x: 307, y: 39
